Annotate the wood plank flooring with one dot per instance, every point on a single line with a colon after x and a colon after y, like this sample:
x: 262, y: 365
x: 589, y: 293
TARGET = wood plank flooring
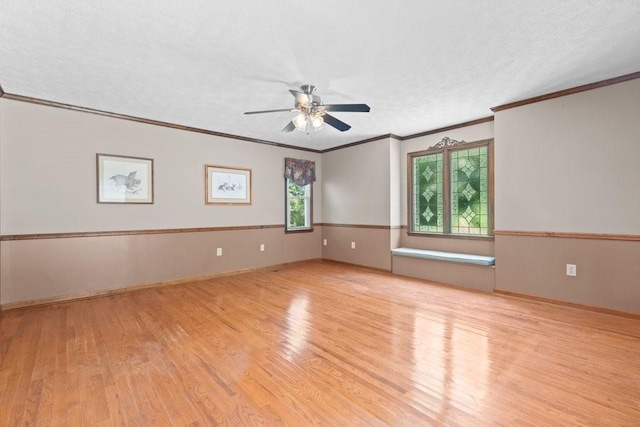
x: 316, y: 343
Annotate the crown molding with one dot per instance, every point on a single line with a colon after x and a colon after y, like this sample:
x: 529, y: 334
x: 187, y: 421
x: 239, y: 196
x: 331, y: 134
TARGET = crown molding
x: 55, y: 104
x: 38, y: 101
x: 364, y: 141
x: 570, y: 91
x: 415, y: 135
x: 447, y: 128
x: 557, y: 94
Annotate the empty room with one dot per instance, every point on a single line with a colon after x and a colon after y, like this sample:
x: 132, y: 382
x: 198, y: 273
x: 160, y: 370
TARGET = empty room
x: 319, y: 213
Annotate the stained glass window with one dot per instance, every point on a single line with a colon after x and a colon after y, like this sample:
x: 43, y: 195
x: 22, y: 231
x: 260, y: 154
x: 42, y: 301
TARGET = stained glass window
x: 469, y: 191
x: 428, y: 193
x: 450, y: 189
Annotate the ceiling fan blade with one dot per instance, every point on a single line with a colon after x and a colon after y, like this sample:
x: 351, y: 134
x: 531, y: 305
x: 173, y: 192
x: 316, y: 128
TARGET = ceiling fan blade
x: 357, y: 108
x: 289, y: 127
x: 270, y: 111
x: 338, y: 124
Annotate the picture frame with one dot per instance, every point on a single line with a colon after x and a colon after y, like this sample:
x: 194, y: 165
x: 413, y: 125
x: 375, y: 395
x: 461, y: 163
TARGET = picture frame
x: 124, y: 179
x: 227, y: 185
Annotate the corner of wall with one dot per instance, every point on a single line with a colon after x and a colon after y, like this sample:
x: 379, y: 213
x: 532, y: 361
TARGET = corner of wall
x: 1, y: 148
x: 395, y: 183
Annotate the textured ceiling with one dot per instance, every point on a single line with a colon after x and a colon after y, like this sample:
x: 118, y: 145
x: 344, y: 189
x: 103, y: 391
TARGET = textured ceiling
x: 419, y: 64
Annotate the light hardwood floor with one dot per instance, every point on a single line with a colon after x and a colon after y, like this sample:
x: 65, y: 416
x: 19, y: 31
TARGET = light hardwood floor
x: 316, y: 343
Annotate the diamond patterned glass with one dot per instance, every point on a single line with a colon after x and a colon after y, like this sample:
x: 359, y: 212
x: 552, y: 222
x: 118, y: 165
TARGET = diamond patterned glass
x: 428, y: 193
x: 469, y: 191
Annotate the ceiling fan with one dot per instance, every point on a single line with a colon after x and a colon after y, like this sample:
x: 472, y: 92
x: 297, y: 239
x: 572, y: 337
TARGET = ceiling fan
x: 312, y: 113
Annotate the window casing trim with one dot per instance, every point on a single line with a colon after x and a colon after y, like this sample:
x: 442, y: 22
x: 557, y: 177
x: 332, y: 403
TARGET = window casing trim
x: 287, y: 229
x: 446, y: 146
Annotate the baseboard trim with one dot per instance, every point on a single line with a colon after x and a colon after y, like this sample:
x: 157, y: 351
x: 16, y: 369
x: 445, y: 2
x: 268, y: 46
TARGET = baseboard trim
x: 575, y: 305
x: 97, y: 294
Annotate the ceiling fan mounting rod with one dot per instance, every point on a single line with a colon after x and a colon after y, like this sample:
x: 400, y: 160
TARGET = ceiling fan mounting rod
x: 308, y: 89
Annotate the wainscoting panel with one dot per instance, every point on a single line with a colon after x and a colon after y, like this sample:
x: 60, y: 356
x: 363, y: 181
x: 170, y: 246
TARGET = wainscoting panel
x: 43, y: 268
x: 466, y: 246
x: 373, y: 245
x: 608, y: 271
x: 469, y: 276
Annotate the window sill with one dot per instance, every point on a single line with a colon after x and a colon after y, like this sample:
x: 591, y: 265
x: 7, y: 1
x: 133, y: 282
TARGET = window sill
x: 451, y: 236
x: 298, y: 230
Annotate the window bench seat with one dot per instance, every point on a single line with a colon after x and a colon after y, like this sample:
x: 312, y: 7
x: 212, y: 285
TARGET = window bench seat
x: 458, y: 269
x: 444, y: 256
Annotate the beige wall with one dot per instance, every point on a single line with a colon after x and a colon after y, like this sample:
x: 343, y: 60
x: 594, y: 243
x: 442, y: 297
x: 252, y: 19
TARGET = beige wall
x: 48, y: 185
x: 372, y: 246
x: 570, y: 165
x: 469, y: 276
x: 470, y: 246
x: 395, y: 183
x: 1, y: 144
x: 608, y: 272
x: 45, y: 268
x: 356, y: 184
x: 360, y: 190
x: 566, y: 165
x: 48, y: 174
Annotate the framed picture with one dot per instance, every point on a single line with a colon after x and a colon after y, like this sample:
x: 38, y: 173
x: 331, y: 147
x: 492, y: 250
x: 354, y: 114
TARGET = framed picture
x: 123, y: 179
x: 224, y: 185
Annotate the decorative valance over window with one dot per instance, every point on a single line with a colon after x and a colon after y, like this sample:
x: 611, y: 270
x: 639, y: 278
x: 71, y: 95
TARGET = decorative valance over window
x: 302, y: 172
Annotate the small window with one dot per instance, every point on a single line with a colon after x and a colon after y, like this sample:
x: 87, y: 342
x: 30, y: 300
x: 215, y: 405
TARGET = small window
x: 299, y: 206
x: 450, y: 189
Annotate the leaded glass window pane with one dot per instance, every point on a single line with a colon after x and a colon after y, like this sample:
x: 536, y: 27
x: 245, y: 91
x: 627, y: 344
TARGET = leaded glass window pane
x: 469, y: 191
x: 450, y: 189
x: 428, y: 193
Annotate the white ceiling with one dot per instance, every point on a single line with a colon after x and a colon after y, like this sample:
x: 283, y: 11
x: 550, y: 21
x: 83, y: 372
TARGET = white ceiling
x: 419, y: 64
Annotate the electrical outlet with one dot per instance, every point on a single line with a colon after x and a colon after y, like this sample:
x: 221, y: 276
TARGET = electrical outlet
x: 353, y: 245
x: 324, y: 242
x: 219, y: 252
x: 571, y: 270
x: 261, y: 247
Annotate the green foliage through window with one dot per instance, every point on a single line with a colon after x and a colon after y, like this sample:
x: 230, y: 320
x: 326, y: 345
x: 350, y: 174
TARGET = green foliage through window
x: 298, y: 206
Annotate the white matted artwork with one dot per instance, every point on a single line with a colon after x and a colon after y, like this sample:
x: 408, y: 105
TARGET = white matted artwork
x: 123, y: 179
x: 225, y: 185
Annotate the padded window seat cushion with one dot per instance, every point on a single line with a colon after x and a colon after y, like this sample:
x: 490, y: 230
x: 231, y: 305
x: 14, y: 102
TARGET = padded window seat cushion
x: 445, y: 256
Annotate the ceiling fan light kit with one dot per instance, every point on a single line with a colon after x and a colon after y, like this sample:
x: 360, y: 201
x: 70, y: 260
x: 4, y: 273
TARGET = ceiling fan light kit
x: 302, y: 121
x: 312, y: 113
